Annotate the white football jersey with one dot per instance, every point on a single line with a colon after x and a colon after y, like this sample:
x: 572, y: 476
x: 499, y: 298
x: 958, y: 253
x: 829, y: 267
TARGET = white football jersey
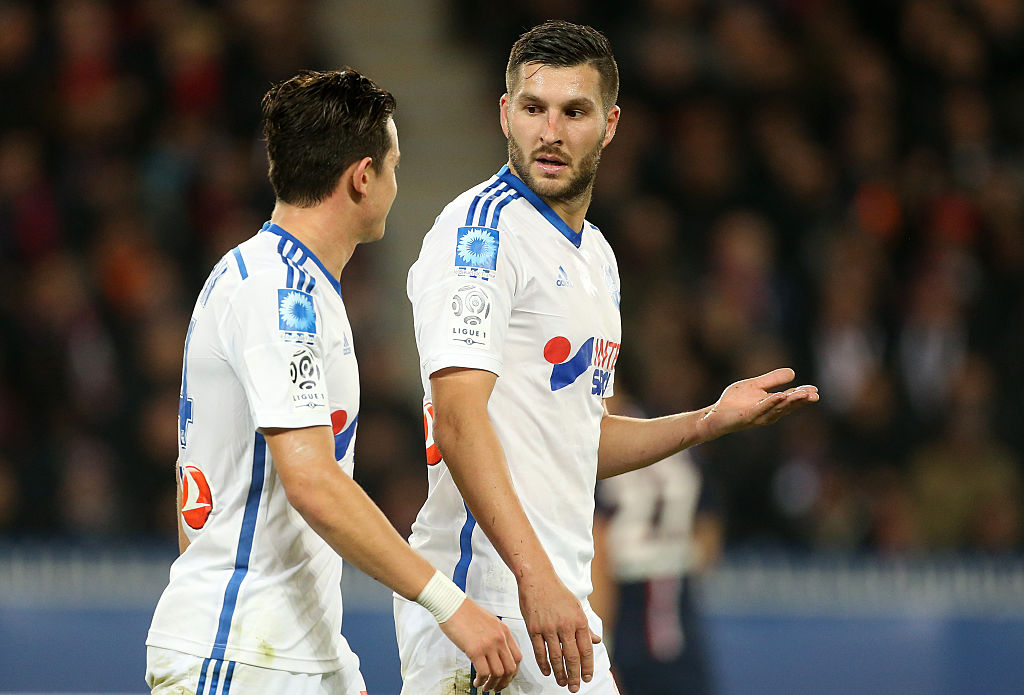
x: 503, y: 284
x: 269, y: 345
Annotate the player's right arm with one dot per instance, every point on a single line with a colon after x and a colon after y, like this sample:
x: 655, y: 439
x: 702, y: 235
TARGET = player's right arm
x: 560, y: 634
x: 338, y: 509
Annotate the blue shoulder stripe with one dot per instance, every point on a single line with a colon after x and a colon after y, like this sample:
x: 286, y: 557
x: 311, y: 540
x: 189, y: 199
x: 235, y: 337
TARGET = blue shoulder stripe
x: 476, y: 201
x: 513, y: 195
x: 489, y: 200
x: 241, y: 263
x: 305, y: 254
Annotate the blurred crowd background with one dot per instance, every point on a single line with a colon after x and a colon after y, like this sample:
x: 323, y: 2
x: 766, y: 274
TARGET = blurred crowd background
x: 829, y: 185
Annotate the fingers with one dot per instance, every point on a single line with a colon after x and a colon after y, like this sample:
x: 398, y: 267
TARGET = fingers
x: 510, y: 659
x: 497, y: 678
x: 540, y: 653
x: 775, y: 405
x: 774, y: 378
x: 554, y: 645
x: 585, y: 643
x: 573, y: 657
x: 496, y: 669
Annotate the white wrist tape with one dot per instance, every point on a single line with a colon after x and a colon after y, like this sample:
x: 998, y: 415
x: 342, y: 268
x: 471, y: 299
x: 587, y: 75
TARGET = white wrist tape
x: 441, y: 597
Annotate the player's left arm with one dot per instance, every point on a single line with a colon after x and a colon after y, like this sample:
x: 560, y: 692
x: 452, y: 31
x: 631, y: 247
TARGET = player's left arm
x: 629, y: 443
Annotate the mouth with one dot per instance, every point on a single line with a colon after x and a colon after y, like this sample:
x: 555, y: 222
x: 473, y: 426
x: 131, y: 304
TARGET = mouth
x: 551, y: 164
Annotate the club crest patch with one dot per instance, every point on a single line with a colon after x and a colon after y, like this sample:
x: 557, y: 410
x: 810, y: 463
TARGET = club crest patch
x: 296, y: 315
x: 476, y: 252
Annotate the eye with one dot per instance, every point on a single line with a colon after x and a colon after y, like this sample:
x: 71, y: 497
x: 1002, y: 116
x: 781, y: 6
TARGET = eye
x: 532, y: 109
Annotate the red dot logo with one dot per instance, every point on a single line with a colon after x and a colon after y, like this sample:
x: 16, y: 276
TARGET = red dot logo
x: 196, y: 498
x: 338, y: 420
x: 557, y: 350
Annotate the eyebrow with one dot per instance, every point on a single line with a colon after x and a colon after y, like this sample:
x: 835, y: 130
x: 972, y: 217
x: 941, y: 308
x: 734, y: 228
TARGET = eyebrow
x: 576, y: 103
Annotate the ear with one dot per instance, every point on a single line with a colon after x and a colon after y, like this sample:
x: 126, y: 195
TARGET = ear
x: 361, y: 173
x: 503, y: 113
x: 612, y: 125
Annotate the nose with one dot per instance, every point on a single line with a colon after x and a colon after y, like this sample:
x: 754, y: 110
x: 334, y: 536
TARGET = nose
x: 552, y: 134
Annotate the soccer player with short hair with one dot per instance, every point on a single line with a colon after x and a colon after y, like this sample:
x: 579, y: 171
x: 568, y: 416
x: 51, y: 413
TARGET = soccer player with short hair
x: 516, y: 307
x: 266, y: 422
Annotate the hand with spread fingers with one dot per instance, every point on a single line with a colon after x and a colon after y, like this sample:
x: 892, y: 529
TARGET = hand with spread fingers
x: 750, y: 402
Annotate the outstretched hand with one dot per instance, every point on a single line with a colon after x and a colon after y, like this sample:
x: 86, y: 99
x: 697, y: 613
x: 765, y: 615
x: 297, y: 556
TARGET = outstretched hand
x: 750, y: 402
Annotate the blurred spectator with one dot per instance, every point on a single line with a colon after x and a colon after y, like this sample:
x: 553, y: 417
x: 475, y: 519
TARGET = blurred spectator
x: 838, y: 186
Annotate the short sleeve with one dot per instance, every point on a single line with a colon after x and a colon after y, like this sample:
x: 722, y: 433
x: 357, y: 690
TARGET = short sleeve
x: 273, y: 337
x: 462, y: 288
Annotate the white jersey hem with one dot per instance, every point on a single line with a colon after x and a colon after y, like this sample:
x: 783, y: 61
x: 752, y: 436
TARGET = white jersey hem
x: 245, y: 656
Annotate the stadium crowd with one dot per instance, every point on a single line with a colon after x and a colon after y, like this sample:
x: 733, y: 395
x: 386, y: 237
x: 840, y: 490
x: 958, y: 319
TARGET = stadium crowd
x: 836, y: 186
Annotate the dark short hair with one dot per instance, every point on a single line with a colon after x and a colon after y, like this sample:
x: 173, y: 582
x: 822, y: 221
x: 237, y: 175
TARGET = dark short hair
x: 563, y: 44
x: 317, y: 124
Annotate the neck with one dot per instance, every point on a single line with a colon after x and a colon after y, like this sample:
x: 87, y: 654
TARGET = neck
x: 572, y: 211
x: 321, y: 229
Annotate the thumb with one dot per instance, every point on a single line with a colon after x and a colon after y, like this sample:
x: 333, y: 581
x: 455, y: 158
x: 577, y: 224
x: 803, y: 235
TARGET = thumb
x: 594, y: 637
x: 774, y: 378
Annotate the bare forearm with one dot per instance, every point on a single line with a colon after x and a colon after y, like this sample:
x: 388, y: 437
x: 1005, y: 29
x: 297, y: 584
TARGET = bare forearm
x: 475, y: 458
x: 341, y: 512
x: 629, y: 443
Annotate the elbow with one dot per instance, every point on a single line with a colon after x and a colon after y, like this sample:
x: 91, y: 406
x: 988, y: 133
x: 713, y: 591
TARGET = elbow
x: 444, y: 433
x: 308, y: 497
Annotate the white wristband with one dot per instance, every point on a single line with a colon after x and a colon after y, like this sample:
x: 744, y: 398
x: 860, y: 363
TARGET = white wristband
x: 441, y: 597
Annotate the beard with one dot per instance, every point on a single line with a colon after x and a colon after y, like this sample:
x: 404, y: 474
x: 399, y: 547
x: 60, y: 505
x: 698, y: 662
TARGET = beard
x: 577, y: 186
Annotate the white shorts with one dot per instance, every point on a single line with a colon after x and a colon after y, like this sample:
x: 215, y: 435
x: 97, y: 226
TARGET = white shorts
x: 170, y: 672
x: 432, y: 665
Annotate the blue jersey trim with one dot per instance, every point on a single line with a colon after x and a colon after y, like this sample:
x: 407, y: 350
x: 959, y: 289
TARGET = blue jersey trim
x: 245, y: 538
x: 227, y: 678
x: 241, y: 263
x: 297, y: 278
x: 466, y: 546
x: 476, y: 201
x: 202, y: 677
x: 274, y: 229
x: 500, y: 191
x: 496, y: 214
x: 576, y: 238
x: 216, y: 676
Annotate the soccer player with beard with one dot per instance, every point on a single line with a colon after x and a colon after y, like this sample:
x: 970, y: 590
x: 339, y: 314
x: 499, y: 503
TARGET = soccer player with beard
x: 516, y: 307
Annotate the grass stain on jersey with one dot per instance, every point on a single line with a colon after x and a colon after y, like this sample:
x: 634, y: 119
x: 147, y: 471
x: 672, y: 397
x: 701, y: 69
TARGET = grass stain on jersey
x: 459, y: 684
x: 266, y: 649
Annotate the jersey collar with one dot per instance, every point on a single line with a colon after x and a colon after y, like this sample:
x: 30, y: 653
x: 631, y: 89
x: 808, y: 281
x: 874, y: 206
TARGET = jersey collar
x: 274, y: 229
x: 576, y: 238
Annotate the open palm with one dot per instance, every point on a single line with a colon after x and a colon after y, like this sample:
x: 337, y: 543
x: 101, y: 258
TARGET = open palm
x: 752, y: 402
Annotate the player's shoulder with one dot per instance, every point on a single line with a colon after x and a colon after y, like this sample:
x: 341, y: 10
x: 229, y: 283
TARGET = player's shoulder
x: 259, y: 274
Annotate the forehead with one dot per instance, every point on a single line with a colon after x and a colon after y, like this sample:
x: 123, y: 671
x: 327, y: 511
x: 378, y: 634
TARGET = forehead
x: 557, y: 83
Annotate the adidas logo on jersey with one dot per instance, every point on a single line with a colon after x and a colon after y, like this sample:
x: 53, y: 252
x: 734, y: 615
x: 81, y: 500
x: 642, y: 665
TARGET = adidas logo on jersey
x: 563, y: 278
